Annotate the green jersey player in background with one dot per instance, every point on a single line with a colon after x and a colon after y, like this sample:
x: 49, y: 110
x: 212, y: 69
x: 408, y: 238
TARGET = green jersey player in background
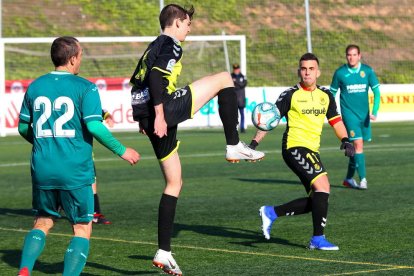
x: 60, y: 115
x: 354, y: 80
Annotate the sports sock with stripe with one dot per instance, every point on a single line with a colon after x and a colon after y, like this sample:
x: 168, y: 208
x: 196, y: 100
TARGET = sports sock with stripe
x: 360, y: 165
x: 166, y: 214
x: 319, y: 212
x: 96, y: 205
x: 295, y: 207
x: 75, y: 256
x: 351, y: 168
x: 228, y: 111
x: 34, y: 243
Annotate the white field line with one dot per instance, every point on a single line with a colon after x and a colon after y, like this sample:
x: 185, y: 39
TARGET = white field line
x: 372, y: 148
x: 387, y: 266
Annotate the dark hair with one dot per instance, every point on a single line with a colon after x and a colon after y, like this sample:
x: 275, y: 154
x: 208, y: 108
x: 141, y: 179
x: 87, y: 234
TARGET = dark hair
x: 170, y: 12
x: 308, y: 56
x: 63, y: 48
x: 352, y: 46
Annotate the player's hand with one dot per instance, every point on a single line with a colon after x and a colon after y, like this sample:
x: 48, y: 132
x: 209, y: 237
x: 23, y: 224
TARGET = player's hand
x: 373, y: 117
x: 131, y: 156
x: 160, y: 126
x: 347, y: 146
x: 141, y: 129
x: 110, y: 121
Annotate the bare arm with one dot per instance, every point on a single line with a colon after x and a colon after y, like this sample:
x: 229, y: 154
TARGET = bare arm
x: 257, y: 138
x: 156, y: 89
x: 341, y: 133
x: 340, y: 130
x: 160, y: 125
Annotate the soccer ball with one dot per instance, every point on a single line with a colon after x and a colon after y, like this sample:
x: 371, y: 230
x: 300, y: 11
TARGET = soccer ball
x: 265, y: 116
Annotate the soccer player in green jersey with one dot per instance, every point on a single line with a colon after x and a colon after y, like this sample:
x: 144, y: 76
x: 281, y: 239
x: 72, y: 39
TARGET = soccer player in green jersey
x: 60, y: 115
x: 354, y: 80
x: 159, y: 107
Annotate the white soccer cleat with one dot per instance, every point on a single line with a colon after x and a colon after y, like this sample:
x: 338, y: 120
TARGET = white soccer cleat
x: 242, y: 152
x: 363, y: 185
x: 350, y: 183
x: 164, y: 260
x: 267, y: 220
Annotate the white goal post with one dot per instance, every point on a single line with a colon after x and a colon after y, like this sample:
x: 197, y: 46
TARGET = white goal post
x: 5, y: 100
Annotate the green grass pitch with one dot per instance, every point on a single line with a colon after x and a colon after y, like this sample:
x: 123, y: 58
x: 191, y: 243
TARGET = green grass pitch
x: 217, y: 224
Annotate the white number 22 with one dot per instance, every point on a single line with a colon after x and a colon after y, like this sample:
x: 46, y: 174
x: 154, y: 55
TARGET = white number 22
x: 58, y: 130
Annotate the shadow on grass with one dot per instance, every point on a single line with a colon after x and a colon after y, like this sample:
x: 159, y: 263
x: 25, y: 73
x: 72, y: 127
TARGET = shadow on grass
x: 279, y: 181
x: 20, y: 212
x: 268, y: 181
x: 12, y: 258
x: 251, y: 238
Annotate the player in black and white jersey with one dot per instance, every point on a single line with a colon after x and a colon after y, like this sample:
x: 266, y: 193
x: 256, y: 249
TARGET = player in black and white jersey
x: 159, y: 107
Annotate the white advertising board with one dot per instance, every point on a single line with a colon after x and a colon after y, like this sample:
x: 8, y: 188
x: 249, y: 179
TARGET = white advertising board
x: 397, y: 104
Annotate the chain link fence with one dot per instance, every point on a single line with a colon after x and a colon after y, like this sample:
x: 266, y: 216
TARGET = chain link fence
x: 275, y: 31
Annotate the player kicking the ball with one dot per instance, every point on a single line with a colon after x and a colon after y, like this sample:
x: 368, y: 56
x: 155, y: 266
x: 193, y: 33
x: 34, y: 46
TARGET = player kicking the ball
x: 305, y: 107
x: 159, y: 107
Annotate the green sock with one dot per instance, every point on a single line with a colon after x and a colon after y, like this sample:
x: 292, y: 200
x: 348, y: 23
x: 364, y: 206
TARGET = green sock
x: 75, y: 257
x: 34, y: 242
x: 360, y: 165
x: 351, y: 168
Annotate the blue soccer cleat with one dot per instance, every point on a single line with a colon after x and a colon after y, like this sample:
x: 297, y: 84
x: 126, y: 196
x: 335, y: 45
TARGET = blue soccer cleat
x: 321, y: 243
x: 268, y: 216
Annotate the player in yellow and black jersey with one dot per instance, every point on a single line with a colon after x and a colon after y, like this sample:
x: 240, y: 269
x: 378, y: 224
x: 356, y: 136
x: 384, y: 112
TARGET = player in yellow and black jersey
x: 305, y: 107
x: 159, y: 107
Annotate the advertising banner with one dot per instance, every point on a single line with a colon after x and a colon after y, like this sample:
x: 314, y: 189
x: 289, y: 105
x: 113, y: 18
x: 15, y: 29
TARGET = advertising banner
x: 397, y: 104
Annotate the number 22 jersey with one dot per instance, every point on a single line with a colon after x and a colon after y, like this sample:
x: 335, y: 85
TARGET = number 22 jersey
x: 58, y: 105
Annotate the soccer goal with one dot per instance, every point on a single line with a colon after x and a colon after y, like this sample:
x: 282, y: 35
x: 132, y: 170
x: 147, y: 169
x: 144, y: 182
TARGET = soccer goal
x: 24, y: 59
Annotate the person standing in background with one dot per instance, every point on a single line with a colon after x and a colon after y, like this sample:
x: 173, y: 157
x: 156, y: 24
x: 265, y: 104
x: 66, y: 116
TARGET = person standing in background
x: 240, y: 82
x: 354, y: 80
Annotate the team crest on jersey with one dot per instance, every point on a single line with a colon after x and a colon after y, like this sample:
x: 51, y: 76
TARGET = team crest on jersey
x: 171, y: 64
x: 362, y: 74
x: 322, y: 101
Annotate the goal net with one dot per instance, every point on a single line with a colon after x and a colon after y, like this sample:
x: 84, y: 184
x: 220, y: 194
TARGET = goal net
x: 111, y: 59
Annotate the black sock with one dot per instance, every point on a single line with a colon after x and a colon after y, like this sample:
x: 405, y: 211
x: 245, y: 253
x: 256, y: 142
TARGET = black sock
x: 166, y: 213
x: 228, y: 111
x: 319, y: 212
x: 96, y: 205
x: 295, y: 207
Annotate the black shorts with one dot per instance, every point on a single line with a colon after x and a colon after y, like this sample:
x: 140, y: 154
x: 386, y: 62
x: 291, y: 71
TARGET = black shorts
x: 178, y: 107
x: 306, y: 164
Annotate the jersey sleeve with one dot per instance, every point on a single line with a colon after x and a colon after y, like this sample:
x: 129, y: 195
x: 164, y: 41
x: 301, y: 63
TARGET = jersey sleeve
x: 335, y: 83
x: 373, y: 80
x: 25, y: 110
x: 283, y: 102
x: 332, y: 114
x: 170, y: 53
x: 91, y: 105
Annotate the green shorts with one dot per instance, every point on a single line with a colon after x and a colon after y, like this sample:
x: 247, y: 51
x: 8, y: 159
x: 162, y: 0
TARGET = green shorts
x: 77, y: 204
x: 357, y: 129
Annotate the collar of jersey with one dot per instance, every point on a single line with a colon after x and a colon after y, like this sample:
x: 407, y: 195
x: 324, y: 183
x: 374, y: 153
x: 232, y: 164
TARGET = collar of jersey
x: 352, y: 70
x: 176, y: 41
x: 305, y: 88
x: 60, y: 73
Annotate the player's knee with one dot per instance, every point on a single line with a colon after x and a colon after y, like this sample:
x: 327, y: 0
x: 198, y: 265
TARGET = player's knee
x: 83, y: 230
x: 225, y: 79
x: 43, y: 224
